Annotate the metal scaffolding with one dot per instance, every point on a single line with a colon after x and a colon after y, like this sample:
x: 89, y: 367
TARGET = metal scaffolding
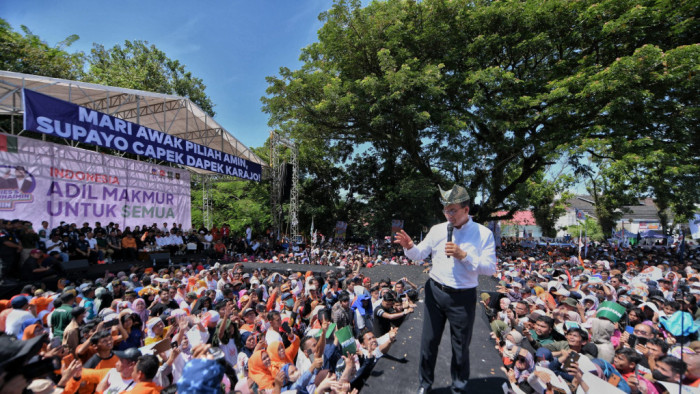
x: 174, y: 115
x: 277, y: 142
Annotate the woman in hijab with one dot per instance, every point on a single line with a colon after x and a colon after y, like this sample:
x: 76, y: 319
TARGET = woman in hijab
x: 280, y: 356
x: 139, y: 308
x: 259, y: 370
x: 203, y: 304
x: 523, y: 366
x: 601, y: 333
x: 590, y: 304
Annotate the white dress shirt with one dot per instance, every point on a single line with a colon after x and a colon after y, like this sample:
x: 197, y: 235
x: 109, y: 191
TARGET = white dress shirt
x: 473, y: 238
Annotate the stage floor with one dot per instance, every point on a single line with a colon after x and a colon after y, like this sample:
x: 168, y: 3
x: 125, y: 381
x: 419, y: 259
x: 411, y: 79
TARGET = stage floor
x: 398, y: 373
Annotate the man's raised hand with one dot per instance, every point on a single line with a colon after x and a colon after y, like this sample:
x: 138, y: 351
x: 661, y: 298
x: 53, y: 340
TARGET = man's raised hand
x: 403, y: 239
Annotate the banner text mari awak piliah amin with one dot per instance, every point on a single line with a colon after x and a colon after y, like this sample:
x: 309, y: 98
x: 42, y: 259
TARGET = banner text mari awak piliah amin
x: 48, y: 115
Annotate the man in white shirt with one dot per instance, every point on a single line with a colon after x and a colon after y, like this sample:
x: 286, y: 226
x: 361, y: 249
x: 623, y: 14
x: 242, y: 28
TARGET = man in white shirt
x: 120, y: 377
x: 273, y: 332
x: 54, y: 244
x: 461, y: 250
x: 20, y: 313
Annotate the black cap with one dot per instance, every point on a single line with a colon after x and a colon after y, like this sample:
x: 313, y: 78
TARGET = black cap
x: 131, y: 354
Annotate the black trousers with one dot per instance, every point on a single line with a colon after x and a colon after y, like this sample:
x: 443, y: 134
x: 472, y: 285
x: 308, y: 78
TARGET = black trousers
x: 458, y: 309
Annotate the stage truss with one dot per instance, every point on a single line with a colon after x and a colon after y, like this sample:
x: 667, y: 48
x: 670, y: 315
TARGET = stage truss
x: 277, y: 143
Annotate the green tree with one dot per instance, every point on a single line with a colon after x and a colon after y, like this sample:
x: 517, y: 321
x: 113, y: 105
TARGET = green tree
x: 548, y: 200
x: 595, y: 232
x: 487, y: 93
x: 137, y: 65
x: 235, y: 202
x: 27, y: 53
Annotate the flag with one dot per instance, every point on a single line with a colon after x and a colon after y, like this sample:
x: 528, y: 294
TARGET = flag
x: 580, y: 215
x: 681, y: 248
x: 580, y: 245
x: 8, y: 143
x: 313, y: 232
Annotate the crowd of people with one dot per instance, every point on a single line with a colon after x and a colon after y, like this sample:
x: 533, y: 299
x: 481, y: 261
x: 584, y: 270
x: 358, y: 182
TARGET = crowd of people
x: 198, y: 329
x: 29, y: 254
x: 621, y: 320
x: 106, y: 244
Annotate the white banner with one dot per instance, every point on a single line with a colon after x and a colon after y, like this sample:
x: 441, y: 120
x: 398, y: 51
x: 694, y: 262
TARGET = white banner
x: 694, y: 224
x: 45, y: 181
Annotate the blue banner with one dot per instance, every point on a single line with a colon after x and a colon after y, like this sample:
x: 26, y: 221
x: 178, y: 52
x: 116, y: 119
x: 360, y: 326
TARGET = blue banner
x: 52, y: 116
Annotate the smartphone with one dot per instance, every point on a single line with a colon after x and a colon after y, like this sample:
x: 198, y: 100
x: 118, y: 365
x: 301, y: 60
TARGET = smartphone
x: 642, y: 341
x: 632, y: 341
x: 573, y: 358
x: 111, y: 323
x: 286, y: 328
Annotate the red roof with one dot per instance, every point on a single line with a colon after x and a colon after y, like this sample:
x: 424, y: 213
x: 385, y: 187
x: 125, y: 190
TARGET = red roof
x: 520, y: 218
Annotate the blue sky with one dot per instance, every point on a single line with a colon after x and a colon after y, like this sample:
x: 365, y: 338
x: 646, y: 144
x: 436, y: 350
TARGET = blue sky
x: 232, y: 45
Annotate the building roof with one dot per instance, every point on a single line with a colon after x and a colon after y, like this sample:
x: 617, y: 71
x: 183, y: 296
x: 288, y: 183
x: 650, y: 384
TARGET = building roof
x: 174, y: 115
x: 646, y: 211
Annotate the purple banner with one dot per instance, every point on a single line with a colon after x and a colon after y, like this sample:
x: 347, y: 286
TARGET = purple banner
x: 44, y: 181
x: 52, y: 116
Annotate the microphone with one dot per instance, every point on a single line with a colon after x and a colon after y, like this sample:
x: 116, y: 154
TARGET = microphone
x: 450, y: 228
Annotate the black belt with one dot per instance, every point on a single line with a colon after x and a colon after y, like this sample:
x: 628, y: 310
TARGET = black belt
x: 448, y: 289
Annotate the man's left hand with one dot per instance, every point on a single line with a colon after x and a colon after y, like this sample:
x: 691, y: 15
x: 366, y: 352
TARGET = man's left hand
x: 453, y: 250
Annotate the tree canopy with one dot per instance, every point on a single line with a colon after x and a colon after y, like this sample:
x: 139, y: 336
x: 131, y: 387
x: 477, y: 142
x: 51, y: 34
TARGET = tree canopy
x: 137, y: 65
x: 26, y: 53
x: 491, y: 93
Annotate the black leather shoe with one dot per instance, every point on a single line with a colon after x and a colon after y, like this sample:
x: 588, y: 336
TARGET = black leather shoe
x: 422, y: 390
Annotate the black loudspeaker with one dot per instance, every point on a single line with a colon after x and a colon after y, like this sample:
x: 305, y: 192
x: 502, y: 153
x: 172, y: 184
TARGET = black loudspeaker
x: 160, y: 259
x: 287, y: 169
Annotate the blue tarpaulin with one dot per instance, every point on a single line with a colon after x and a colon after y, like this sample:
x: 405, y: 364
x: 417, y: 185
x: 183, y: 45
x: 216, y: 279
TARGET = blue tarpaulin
x: 652, y: 234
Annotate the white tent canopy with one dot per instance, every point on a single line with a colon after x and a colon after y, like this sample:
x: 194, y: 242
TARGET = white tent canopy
x: 173, y: 115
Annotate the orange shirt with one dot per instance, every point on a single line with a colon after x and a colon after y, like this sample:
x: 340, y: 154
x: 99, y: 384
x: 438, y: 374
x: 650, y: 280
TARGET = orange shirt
x: 129, y: 242
x: 42, y: 303
x: 144, y: 388
x: 88, y: 381
x: 106, y: 362
x: 3, y: 318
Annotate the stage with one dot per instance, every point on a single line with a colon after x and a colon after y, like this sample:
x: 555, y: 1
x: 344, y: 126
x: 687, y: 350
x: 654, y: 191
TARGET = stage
x: 398, y: 371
